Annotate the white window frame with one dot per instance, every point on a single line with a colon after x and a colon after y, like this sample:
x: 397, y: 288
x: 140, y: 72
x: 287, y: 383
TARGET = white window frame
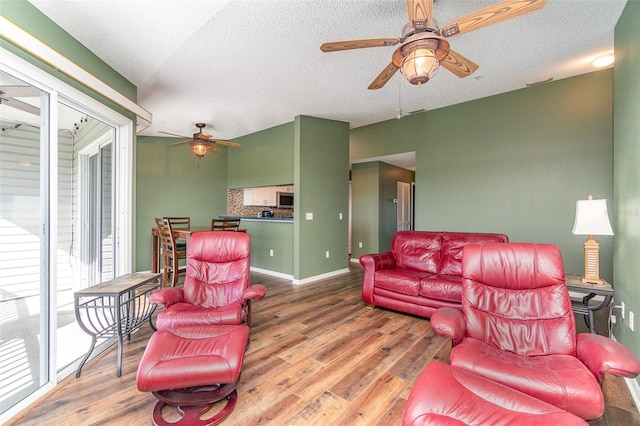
x: 83, y: 191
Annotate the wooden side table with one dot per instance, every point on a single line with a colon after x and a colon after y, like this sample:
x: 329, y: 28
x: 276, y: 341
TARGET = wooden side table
x: 584, y: 307
x: 116, y: 308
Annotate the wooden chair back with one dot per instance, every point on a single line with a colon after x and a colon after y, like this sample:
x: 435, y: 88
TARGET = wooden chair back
x: 180, y: 222
x: 225, y: 224
x: 171, y: 254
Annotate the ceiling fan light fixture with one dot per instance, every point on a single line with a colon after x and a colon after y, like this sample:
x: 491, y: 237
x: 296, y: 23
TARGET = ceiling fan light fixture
x: 603, y: 61
x: 199, y: 149
x: 419, y: 66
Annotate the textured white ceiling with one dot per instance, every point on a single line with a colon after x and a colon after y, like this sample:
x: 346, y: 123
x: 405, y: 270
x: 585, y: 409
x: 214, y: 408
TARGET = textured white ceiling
x: 242, y: 66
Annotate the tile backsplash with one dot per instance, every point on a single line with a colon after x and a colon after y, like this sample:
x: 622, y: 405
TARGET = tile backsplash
x: 236, y: 207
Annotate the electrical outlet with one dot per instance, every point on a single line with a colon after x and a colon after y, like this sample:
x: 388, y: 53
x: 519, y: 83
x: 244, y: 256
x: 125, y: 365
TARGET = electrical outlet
x: 631, y: 320
x: 622, y: 310
x: 326, y: 254
x: 360, y: 245
x: 340, y: 216
x: 308, y: 216
x: 271, y: 252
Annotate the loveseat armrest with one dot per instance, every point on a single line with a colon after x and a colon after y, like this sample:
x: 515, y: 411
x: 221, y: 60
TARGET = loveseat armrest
x: 167, y: 296
x: 254, y: 292
x: 449, y: 322
x: 372, y: 263
x: 602, y: 355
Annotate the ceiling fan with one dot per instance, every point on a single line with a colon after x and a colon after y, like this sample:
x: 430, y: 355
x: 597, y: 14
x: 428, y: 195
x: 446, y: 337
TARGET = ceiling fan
x: 423, y: 45
x: 9, y: 95
x: 202, y: 142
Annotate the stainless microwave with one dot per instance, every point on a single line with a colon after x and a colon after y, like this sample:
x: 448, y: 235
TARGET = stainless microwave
x: 284, y: 200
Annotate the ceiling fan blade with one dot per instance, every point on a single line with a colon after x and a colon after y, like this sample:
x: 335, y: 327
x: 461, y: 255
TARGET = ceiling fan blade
x: 181, y: 142
x: 20, y: 91
x: 336, y: 46
x: 458, y: 64
x: 502, y: 11
x: 212, y: 148
x: 420, y: 12
x: 22, y: 106
x: 226, y: 143
x: 173, y: 134
x: 384, y: 76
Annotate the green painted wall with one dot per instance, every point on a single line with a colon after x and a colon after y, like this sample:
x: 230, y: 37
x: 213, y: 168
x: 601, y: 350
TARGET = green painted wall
x: 365, y: 208
x: 514, y: 163
x: 276, y: 236
x: 374, y: 214
x: 627, y: 173
x: 321, y: 168
x: 171, y: 181
x: 266, y: 158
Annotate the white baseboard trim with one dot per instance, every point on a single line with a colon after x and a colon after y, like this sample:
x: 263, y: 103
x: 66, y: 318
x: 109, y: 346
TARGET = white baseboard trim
x: 632, y: 384
x: 272, y: 273
x: 320, y: 277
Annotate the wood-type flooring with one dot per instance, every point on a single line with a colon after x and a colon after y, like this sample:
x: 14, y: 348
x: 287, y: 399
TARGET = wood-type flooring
x: 318, y: 356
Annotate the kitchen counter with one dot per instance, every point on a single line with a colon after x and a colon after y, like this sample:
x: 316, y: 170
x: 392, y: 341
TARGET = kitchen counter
x: 260, y: 219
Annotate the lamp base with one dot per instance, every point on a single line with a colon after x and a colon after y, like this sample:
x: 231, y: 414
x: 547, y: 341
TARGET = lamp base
x: 591, y: 262
x: 592, y: 280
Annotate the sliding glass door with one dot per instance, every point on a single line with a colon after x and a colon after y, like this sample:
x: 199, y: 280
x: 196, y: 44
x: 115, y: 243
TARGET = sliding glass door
x: 24, y: 296
x: 65, y: 223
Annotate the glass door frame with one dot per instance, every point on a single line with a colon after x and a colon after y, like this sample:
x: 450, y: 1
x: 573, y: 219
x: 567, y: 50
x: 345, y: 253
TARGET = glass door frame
x: 61, y: 92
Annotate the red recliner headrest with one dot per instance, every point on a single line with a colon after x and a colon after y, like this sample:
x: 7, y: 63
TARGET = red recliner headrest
x: 219, y: 246
x: 515, y: 266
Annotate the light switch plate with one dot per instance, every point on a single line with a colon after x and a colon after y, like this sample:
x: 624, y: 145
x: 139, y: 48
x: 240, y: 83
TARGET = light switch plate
x: 308, y: 216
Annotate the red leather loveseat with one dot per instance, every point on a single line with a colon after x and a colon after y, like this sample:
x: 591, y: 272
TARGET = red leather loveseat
x: 421, y: 273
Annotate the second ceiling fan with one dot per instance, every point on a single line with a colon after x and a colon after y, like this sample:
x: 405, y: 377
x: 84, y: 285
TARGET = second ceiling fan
x: 423, y: 45
x: 202, y: 142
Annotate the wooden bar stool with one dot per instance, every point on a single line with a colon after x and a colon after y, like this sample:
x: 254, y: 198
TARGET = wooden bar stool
x: 171, y: 255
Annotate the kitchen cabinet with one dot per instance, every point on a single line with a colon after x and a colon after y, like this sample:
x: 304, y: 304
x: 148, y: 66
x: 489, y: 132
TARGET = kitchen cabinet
x: 248, y: 196
x: 260, y: 196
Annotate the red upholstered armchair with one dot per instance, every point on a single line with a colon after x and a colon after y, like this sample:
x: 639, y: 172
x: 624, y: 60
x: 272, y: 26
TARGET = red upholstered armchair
x: 216, y: 287
x: 517, y: 328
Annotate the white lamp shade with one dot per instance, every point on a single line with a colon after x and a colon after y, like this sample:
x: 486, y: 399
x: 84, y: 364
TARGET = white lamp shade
x: 592, y: 218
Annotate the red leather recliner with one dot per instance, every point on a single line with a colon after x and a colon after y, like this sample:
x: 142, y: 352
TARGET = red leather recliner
x: 517, y: 328
x: 216, y: 287
x: 444, y: 395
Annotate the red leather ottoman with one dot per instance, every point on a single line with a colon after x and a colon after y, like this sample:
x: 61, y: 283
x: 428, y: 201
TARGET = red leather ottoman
x: 191, y: 368
x: 444, y: 395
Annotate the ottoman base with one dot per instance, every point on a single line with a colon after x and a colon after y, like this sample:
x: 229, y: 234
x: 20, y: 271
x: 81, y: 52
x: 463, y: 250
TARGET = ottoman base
x: 193, y: 403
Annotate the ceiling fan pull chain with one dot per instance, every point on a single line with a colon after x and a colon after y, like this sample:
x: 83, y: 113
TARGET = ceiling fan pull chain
x: 399, y: 111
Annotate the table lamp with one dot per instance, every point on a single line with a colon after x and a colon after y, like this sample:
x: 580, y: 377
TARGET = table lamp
x: 592, y: 219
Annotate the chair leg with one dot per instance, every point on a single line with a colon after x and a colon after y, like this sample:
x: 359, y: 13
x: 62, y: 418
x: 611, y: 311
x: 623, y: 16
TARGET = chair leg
x: 165, y: 274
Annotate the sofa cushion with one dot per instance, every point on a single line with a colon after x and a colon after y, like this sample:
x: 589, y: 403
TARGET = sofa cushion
x: 417, y: 250
x: 442, y: 287
x: 454, y: 242
x: 405, y: 281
